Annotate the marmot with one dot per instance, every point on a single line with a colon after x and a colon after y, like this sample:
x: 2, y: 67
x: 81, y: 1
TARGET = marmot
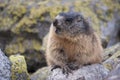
x: 72, y: 42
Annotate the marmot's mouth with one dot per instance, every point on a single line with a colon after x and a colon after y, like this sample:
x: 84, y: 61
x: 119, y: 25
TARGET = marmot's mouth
x: 58, y: 30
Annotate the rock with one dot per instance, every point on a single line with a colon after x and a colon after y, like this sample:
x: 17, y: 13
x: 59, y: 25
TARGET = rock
x: 108, y: 52
x: 93, y: 72
x: 5, y: 67
x: 115, y: 73
x: 113, y: 27
x: 19, y: 68
x: 41, y: 74
x: 35, y: 60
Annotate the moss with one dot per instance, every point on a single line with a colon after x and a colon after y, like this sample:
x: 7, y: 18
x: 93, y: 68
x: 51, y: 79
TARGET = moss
x: 19, y: 68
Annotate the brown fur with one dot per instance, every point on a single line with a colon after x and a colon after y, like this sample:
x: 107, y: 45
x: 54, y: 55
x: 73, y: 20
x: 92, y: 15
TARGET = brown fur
x: 80, y: 50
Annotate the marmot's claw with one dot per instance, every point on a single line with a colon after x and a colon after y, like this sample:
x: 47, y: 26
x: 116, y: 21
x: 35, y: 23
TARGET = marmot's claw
x: 87, y: 64
x: 73, y: 67
x: 66, y: 70
x: 55, y: 66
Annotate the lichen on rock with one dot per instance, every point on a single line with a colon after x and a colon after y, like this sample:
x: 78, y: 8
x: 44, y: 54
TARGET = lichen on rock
x: 19, y: 68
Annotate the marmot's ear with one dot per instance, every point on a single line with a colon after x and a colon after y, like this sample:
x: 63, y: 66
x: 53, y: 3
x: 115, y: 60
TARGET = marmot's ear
x: 88, y: 20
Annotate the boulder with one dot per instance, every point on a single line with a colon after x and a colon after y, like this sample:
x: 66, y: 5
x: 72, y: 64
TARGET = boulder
x: 93, y: 72
x: 41, y: 74
x: 18, y: 68
x: 5, y: 67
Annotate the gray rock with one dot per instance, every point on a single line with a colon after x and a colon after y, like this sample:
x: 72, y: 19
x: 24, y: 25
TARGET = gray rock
x: 5, y: 67
x: 92, y: 72
x: 115, y: 73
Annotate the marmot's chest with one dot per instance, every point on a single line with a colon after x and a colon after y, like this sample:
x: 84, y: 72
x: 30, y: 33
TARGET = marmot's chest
x: 71, y: 50
x: 77, y: 49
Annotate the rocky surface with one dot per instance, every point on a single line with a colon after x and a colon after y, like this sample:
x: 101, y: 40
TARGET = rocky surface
x: 13, y: 68
x: 5, y: 67
x: 115, y: 73
x: 18, y: 68
x: 108, y: 52
x: 93, y: 72
x: 41, y: 74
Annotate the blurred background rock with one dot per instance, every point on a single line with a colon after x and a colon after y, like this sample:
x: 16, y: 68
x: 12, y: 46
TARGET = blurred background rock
x: 24, y: 24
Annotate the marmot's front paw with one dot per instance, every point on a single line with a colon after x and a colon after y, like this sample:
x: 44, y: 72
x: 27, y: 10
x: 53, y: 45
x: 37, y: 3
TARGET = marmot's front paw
x: 55, y: 66
x: 73, y: 66
x: 66, y: 70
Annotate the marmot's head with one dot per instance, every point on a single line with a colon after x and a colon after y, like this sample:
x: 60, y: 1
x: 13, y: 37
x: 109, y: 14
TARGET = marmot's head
x: 71, y: 24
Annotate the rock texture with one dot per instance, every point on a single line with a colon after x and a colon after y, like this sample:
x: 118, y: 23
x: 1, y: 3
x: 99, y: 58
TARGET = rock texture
x: 5, y: 67
x: 41, y: 74
x: 93, y: 72
x: 108, y: 52
x: 115, y: 73
x: 18, y: 68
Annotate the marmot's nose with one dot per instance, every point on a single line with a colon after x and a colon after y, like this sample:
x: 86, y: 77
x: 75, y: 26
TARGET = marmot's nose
x: 57, y: 22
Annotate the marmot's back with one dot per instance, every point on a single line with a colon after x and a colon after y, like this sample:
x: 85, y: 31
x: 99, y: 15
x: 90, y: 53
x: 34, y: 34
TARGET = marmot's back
x: 72, y: 40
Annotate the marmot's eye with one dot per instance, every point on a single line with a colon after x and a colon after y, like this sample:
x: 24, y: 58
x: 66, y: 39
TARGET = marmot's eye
x: 68, y: 20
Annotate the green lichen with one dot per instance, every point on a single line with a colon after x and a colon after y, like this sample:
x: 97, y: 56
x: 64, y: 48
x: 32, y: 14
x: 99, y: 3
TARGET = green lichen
x: 5, y: 23
x: 19, y: 68
x: 15, y: 48
x: 24, y: 25
x: 36, y: 13
x: 16, y: 10
x: 21, y: 45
